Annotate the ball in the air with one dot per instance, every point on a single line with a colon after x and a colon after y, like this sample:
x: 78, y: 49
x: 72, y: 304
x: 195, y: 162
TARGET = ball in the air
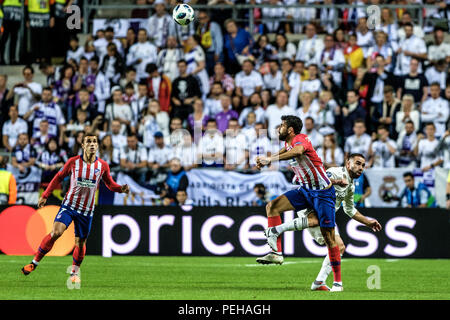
x: 183, y: 14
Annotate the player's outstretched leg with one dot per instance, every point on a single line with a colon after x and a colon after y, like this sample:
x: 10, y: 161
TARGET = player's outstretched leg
x: 297, y: 224
x: 320, y: 282
x: 335, y: 257
x: 273, y: 210
x: 78, y: 255
x: 45, y: 246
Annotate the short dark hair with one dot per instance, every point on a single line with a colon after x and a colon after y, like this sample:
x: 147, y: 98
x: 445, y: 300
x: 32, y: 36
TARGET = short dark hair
x: 89, y: 134
x: 354, y: 155
x: 408, y: 174
x: 293, y: 122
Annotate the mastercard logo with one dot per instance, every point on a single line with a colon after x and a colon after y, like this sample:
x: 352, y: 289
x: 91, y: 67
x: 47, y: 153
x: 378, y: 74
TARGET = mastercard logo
x: 22, y: 229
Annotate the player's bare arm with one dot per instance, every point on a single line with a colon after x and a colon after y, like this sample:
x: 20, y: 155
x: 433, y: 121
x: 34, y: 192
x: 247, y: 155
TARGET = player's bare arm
x: 286, y: 155
x: 370, y: 223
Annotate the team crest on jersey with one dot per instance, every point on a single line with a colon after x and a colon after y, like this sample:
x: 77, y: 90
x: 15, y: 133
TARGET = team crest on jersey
x: 96, y: 171
x: 329, y: 175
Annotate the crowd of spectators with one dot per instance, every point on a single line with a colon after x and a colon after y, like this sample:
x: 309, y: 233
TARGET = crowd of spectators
x: 381, y: 92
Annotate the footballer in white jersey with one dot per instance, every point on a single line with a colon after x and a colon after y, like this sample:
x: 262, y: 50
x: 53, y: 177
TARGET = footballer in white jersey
x: 343, y: 180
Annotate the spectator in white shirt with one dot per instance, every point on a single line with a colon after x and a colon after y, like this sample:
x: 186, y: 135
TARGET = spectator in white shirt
x: 407, y: 19
x: 435, y: 110
x: 331, y: 60
x: 28, y: 91
x: 308, y: 47
x: 410, y: 47
x: 211, y: 146
x: 248, y: 81
x: 359, y: 142
x: 261, y: 146
x: 75, y: 52
x: 330, y: 153
x: 118, y: 139
x: 13, y: 128
x: 291, y: 82
x: 407, y: 113
x: 312, y: 84
x: 275, y: 111
x: 284, y: 48
x: 255, y: 107
x: 309, y: 107
x: 160, y: 25
x: 160, y: 154
x: 389, y: 27
x: 236, y: 147
x: 133, y: 159
x: 406, y: 144
x: 440, y: 50
x: 314, y: 136
x: 119, y: 110
x: 273, y: 80
x: 438, y: 73
x: 325, y: 115
x: 364, y: 36
x: 382, y: 150
x: 142, y: 53
x: 427, y: 149
x: 168, y: 58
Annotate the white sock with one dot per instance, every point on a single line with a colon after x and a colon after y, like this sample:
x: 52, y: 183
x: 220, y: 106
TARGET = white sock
x: 293, y: 225
x: 325, y: 270
x: 35, y: 262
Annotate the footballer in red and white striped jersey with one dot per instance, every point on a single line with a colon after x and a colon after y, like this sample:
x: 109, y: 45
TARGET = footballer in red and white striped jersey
x: 84, y: 180
x: 85, y: 172
x: 308, y: 167
x: 316, y: 193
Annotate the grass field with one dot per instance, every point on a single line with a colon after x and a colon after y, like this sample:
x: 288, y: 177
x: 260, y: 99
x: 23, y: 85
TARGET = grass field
x: 219, y: 278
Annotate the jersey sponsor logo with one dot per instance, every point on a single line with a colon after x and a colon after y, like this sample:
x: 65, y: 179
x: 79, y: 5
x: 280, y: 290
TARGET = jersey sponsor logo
x: 86, y: 183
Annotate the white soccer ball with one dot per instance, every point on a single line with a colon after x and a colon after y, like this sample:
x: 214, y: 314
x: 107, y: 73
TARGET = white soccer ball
x: 183, y: 14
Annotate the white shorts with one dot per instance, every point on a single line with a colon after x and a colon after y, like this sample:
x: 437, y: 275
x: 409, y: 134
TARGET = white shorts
x: 315, y: 231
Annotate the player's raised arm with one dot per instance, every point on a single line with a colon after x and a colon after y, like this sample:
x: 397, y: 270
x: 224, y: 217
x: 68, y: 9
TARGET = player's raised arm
x: 110, y: 183
x: 56, y: 181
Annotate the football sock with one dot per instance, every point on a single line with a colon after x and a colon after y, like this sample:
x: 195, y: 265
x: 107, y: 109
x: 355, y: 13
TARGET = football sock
x: 44, y: 248
x: 335, y: 261
x: 325, y: 270
x: 273, y: 222
x: 78, y: 256
x: 293, y: 225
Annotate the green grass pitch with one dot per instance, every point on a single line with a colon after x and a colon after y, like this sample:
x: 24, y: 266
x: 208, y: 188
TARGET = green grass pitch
x: 219, y: 278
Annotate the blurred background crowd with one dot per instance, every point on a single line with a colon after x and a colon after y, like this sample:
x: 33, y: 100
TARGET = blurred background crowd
x: 381, y: 90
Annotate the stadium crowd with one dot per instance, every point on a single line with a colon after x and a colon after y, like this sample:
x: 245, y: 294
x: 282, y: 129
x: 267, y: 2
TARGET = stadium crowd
x: 383, y: 92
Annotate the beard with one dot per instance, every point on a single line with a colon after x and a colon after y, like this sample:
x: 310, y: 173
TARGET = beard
x: 282, y: 136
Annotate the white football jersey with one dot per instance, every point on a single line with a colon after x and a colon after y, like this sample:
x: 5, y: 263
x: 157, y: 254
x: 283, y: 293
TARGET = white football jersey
x: 344, y: 195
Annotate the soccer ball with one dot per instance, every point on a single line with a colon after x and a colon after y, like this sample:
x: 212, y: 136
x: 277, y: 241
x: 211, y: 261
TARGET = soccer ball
x: 183, y: 14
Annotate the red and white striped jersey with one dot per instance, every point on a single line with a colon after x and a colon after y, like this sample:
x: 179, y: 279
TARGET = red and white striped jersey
x: 308, y: 168
x: 84, y: 180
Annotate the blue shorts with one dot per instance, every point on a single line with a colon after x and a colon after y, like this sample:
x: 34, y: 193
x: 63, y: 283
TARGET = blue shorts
x: 322, y: 201
x: 81, y: 222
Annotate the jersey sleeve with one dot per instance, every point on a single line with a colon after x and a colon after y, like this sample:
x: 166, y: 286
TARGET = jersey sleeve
x: 109, y: 182
x: 349, y: 203
x: 300, y: 140
x: 58, y: 178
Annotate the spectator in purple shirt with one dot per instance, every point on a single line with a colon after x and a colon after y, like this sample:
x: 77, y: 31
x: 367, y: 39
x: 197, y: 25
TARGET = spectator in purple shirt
x: 198, y: 118
x: 64, y: 91
x: 223, y: 117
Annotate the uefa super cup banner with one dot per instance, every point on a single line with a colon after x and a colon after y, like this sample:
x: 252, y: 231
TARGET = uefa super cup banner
x: 228, y: 188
